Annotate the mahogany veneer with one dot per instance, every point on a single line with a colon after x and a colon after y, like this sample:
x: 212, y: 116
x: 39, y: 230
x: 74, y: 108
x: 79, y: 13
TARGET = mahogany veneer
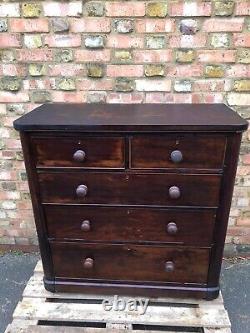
x: 132, y: 199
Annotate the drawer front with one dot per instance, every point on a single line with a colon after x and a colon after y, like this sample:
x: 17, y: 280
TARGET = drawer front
x: 81, y: 152
x: 130, y: 189
x: 130, y: 262
x: 187, y: 227
x: 177, y: 151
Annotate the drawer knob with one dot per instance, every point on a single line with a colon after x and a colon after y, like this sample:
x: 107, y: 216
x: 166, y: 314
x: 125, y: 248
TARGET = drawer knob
x: 79, y: 156
x: 81, y: 191
x: 172, y: 228
x: 174, y: 192
x: 169, y: 266
x: 176, y: 156
x: 85, y: 226
x: 88, y: 263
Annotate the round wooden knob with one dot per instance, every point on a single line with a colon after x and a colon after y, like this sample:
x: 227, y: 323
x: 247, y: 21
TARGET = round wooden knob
x: 79, y: 156
x: 88, y: 263
x: 174, y: 192
x: 81, y: 191
x: 172, y: 228
x: 169, y: 266
x: 176, y: 156
x: 85, y: 226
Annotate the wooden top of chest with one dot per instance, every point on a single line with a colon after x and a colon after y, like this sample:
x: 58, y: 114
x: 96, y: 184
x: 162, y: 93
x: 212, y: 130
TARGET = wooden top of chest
x: 131, y: 117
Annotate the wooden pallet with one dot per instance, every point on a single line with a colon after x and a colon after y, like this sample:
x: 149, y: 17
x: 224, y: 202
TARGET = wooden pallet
x: 41, y: 311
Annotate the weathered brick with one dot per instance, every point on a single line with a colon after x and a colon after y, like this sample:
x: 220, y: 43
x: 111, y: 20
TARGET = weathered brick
x: 214, y: 71
x: 242, y: 40
x: 9, y: 40
x: 68, y: 97
x: 189, y: 26
x: 94, y: 42
x: 238, y: 99
x: 34, y: 55
x: 95, y: 70
x: 41, y: 96
x: 223, y: 8
x: 129, y: 8
x: 223, y: 25
x: 10, y: 83
x: 60, y: 24
x: 63, y: 56
x: 95, y: 9
x: 7, y: 56
x: 98, y: 55
x: 154, y: 70
x: 148, y: 56
x: 124, y: 70
x: 156, y: 9
x: 242, y: 85
x: 155, y: 25
x: 9, y: 9
x: 125, y: 41
x: 97, y: 97
x: 37, y: 69
x: 242, y: 8
x: 70, y: 40
x: 188, y: 41
x: 89, y: 84
x: 122, y: 56
x: 155, y: 42
x: 185, y: 70
x: 3, y: 25
x: 124, y: 84
x: 9, y: 97
x: 220, y: 40
x: 90, y: 24
x: 33, y: 41
x: 29, y: 25
x: 216, y: 56
x: 183, y: 86
x: 133, y: 97
x: 66, y: 84
x: 153, y: 85
x: 185, y: 55
x: 13, y: 70
x: 67, y: 69
x: 123, y: 26
x: 190, y: 8
x: 243, y: 56
x: 31, y: 9
x: 56, y: 8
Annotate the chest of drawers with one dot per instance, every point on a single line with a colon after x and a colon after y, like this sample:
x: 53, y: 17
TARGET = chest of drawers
x: 131, y: 199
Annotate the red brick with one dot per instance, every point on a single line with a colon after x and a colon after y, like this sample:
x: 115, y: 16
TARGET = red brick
x: 222, y: 25
x: 243, y: 221
x: 124, y: 70
x: 8, y: 97
x: 68, y: 97
x: 34, y: 55
x: 124, y: 41
x: 13, y: 143
x: 55, y: 8
x: 67, y: 70
x: 185, y: 71
x: 135, y: 97
x: 238, y: 71
x: 90, y: 25
x: 155, y: 25
x: 9, y: 40
x: 213, y: 98
x: 95, y: 56
x: 13, y: 70
x: 29, y: 25
x: 246, y: 159
x: 209, y: 85
x: 153, y: 85
x: 88, y: 84
x: 242, y: 40
x: 159, y: 97
x: 216, y: 56
x: 128, y: 8
x: 145, y: 56
x: 194, y: 8
x: 69, y: 40
x: 242, y: 8
x: 187, y: 41
x: 44, y: 84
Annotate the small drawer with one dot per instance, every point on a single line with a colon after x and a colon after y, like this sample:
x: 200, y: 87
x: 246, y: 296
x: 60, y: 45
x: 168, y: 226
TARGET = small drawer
x: 130, y: 262
x: 130, y: 189
x: 177, y: 151
x: 116, y: 224
x: 79, y: 152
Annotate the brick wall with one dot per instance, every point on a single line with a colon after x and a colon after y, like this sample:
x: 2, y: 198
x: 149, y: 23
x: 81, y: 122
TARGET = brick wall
x: 127, y: 51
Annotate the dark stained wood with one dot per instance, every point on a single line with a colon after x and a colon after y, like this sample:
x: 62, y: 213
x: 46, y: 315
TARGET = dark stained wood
x: 130, y: 262
x: 59, y: 151
x: 153, y: 223
x: 132, y: 117
x: 130, y: 189
x: 112, y: 224
x: 198, y: 151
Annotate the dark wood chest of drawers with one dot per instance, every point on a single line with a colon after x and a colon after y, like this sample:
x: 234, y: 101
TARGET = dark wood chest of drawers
x: 132, y: 199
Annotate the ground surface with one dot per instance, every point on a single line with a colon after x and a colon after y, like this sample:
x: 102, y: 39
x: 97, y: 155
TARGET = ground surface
x: 15, y: 270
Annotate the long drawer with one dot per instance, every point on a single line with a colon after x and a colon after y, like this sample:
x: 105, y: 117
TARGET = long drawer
x: 79, y: 152
x: 197, y: 151
x: 114, y: 224
x: 130, y: 262
x: 130, y: 189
